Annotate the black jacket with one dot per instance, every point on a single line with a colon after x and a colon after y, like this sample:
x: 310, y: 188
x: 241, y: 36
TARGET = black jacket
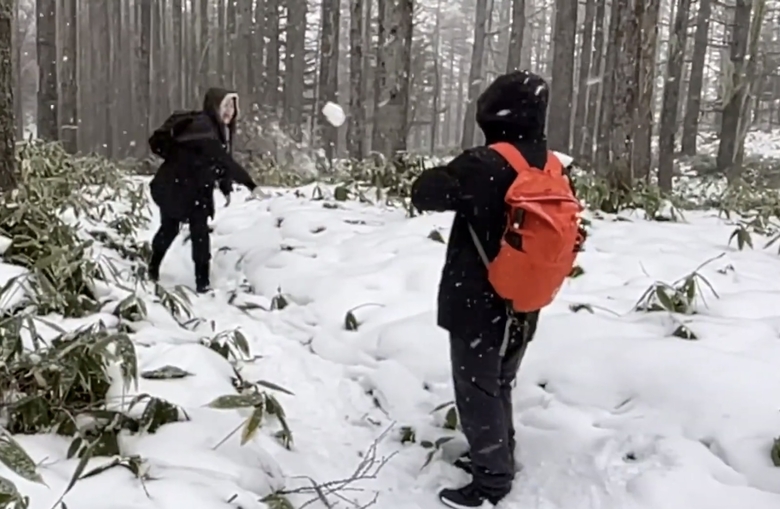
x: 199, y: 160
x: 474, y: 185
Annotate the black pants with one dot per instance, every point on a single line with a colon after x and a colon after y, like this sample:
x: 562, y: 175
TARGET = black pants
x: 199, y: 236
x: 483, y: 396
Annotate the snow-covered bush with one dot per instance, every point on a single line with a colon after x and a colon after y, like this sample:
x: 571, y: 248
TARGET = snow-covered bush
x: 72, y: 296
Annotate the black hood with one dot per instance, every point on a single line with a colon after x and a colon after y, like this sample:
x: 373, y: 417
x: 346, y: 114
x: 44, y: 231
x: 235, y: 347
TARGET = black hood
x: 211, y: 106
x: 513, y: 108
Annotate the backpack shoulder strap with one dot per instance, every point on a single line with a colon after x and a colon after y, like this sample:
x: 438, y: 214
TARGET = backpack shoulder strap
x: 512, y: 156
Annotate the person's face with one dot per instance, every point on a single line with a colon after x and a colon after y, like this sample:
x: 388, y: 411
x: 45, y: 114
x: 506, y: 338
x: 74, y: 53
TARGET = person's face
x: 228, y: 111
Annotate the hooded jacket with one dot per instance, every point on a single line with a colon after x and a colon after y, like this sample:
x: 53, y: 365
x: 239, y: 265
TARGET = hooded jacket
x: 200, y: 159
x: 474, y: 184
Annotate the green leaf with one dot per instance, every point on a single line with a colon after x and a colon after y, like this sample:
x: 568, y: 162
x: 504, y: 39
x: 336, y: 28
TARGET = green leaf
x: 341, y: 193
x: 576, y: 308
x: 451, y: 419
x: 442, y: 406
x: 125, y: 350
x: 273, y: 386
x: 241, y: 342
x: 166, y: 373
x: 13, y: 456
x: 441, y: 441
x: 234, y: 401
x: 350, y: 321
x: 252, y: 424
x: 8, y: 490
x: 83, y: 461
x: 436, y: 236
x: 664, y: 299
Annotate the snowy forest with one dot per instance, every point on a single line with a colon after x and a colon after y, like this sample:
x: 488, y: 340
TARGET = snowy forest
x: 309, y: 337
x: 100, y: 76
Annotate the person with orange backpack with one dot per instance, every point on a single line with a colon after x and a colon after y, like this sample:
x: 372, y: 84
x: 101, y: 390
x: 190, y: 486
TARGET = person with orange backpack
x: 513, y: 242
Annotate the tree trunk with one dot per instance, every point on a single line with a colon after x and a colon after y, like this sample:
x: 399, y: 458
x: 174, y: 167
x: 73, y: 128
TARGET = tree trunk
x: 273, y: 60
x: 641, y: 156
x: 516, y: 35
x: 7, y: 137
x: 436, y: 92
x: 736, y: 92
x: 696, y: 80
x: 596, y: 83
x: 144, y: 73
x: 395, y: 63
x: 356, y: 128
x: 562, y: 93
x: 46, y: 27
x: 295, y: 67
x: 69, y: 78
x: 625, y: 41
x: 329, y: 69
x: 583, y: 82
x: 671, y: 97
x: 475, y: 74
x: 18, y: 41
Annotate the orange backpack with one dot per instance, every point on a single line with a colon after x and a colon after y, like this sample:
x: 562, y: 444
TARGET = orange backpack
x: 540, y: 242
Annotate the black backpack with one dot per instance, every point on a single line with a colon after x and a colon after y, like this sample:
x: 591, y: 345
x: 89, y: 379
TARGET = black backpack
x: 164, y: 137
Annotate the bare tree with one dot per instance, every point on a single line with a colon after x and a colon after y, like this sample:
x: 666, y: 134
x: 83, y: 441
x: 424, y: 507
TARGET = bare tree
x: 69, y: 77
x: 46, y: 16
x: 475, y: 74
x: 671, y: 96
x: 329, y: 69
x: 562, y: 92
x: 394, y: 73
x: 7, y: 135
x: 693, y: 101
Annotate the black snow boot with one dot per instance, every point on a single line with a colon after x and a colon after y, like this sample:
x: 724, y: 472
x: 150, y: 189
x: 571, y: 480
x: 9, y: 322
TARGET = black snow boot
x: 202, y: 279
x: 467, y: 497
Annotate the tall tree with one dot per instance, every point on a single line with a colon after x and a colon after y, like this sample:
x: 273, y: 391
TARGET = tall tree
x: 144, y: 71
x: 671, y: 95
x: 329, y: 69
x: 356, y: 128
x: 696, y: 83
x: 562, y: 92
x: 475, y: 73
x: 736, y: 93
x: 583, y: 81
x: 395, y: 64
x: 46, y: 21
x: 7, y: 134
x: 69, y: 77
x: 516, y: 36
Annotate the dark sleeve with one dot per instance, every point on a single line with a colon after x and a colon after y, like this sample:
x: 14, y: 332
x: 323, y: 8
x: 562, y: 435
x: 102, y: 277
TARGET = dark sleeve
x: 442, y: 188
x: 201, y: 137
x: 227, y: 167
x: 225, y: 186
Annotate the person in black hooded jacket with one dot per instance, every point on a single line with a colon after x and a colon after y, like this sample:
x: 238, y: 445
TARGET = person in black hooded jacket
x: 474, y: 184
x: 196, y: 160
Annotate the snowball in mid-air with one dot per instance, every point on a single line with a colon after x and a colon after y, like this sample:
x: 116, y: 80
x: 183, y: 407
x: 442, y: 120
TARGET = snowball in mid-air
x: 334, y: 113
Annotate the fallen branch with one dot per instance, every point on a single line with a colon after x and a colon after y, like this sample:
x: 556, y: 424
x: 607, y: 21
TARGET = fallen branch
x: 367, y: 469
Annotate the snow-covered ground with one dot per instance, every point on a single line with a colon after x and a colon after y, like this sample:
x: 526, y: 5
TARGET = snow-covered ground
x: 613, y: 411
